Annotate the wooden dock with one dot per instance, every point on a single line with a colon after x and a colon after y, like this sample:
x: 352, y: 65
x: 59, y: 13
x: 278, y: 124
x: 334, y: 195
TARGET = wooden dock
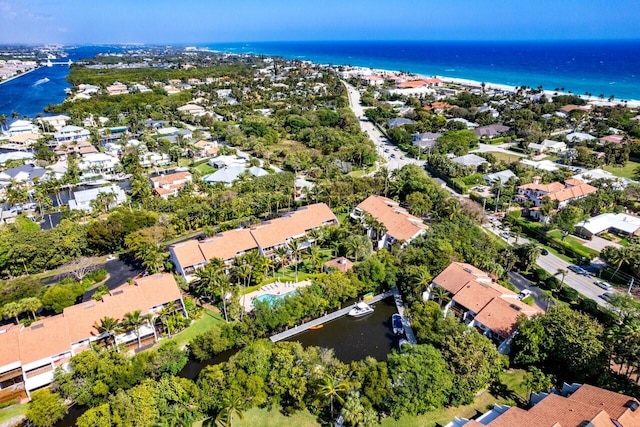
x: 326, y: 318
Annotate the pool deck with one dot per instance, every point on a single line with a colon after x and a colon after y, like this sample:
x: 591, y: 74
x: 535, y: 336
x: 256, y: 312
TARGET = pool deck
x: 275, y: 288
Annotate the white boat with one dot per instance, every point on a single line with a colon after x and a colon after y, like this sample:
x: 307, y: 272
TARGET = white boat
x: 41, y: 81
x: 360, y: 309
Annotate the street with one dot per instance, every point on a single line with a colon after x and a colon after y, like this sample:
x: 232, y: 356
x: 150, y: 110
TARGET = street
x: 551, y: 263
x: 393, y: 157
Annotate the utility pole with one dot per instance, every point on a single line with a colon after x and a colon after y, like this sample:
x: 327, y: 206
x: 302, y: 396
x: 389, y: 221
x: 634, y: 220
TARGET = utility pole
x: 630, y: 286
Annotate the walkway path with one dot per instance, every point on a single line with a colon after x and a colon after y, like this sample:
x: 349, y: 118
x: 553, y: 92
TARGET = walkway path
x: 405, y: 322
x: 326, y: 318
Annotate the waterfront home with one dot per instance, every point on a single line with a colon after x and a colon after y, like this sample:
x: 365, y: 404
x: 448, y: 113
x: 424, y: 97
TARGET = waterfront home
x: 71, y: 133
x: 537, y: 193
x: 94, y: 164
x: 575, y: 405
x: 396, y: 223
x: 27, y: 174
x: 56, y: 122
x: 30, y: 354
x: 547, y: 146
x: 592, y: 174
x: 22, y: 141
x: 82, y: 200
x: 480, y: 302
x: 491, y: 131
x: 169, y: 185
x: 22, y: 126
x: 415, y: 84
x: 15, y: 155
x: 618, y: 223
x: 265, y: 237
x: 80, y: 148
x: 152, y: 158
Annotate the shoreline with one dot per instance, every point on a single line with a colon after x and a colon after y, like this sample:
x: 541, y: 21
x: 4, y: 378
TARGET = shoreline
x: 19, y: 75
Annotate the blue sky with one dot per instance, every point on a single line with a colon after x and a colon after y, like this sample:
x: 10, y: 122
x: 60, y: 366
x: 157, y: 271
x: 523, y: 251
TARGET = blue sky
x: 202, y: 21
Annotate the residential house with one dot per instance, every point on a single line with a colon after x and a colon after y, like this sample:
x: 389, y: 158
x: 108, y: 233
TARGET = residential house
x: 578, y: 137
x: 545, y: 165
x: 372, y: 80
x: 22, y: 126
x: 619, y: 223
x: 71, y: 133
x: 394, y: 123
x: 23, y: 141
x: 397, y: 224
x: 220, y: 162
x: 15, y: 155
x: 193, y: 110
x: 230, y: 174
x: 593, y: 174
x: 80, y: 148
x: 56, y: 122
x: 30, y: 354
x: 536, y: 193
x: 501, y: 177
x: 612, y: 139
x: 426, y: 140
x: 82, y: 200
x: 467, y: 123
x: 97, y: 164
x: 117, y: 89
x: 24, y: 174
x: 341, y: 264
x: 470, y: 160
x: 169, y: 185
x: 575, y: 405
x: 265, y: 237
x: 206, y: 148
x: 414, y: 84
x: 480, y: 302
x: 491, y: 131
x: 548, y: 145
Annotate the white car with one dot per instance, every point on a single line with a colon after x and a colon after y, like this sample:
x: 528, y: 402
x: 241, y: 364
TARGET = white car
x: 603, y: 285
x: 524, y: 293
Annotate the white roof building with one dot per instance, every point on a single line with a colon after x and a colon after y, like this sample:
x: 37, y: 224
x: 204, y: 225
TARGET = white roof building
x: 593, y: 174
x: 545, y: 165
x: 548, y: 145
x: 82, y: 199
x: 226, y: 161
x: 230, y: 174
x: 619, y: 222
x: 22, y: 126
x: 579, y: 137
x: 72, y: 133
x: 98, y: 162
x: 57, y: 122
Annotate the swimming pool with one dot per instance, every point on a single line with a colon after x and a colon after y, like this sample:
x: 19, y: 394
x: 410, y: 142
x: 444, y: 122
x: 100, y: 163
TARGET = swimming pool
x: 271, y: 298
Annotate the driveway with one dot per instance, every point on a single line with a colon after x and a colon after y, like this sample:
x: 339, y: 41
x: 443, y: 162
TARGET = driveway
x: 521, y: 282
x: 119, y: 273
x: 598, y: 243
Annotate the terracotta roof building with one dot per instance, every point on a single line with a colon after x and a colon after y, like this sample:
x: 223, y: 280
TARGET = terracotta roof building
x: 341, y: 264
x: 30, y: 354
x: 584, y: 405
x: 481, y: 302
x: 265, y: 237
x: 399, y: 224
x: 536, y: 193
x: 169, y: 185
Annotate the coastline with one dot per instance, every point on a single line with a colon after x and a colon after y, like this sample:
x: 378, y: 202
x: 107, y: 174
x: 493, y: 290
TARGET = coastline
x: 20, y: 75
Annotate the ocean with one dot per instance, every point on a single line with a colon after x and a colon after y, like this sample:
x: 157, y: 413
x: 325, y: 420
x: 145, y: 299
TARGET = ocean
x: 597, y: 67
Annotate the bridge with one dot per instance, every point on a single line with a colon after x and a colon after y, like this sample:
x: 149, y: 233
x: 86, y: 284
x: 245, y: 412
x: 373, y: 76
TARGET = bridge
x: 326, y: 318
x: 51, y: 64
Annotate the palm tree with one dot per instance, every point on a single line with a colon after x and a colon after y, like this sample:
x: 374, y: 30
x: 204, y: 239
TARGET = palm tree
x: 109, y: 327
x: 133, y: 320
x: 230, y: 407
x: 357, y: 246
x: 31, y: 304
x: 422, y: 280
x: 282, y: 253
x: 562, y: 272
x: 12, y: 309
x: 315, y: 258
x: 440, y: 293
x: 332, y: 388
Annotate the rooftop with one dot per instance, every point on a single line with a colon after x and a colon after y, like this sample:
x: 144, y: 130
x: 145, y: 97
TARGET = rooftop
x: 400, y: 224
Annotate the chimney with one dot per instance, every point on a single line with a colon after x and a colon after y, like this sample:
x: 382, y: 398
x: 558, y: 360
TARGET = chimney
x: 536, y: 179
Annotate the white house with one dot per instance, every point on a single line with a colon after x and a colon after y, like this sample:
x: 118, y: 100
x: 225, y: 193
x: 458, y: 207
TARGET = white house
x: 548, y: 145
x: 22, y: 126
x: 82, y: 199
x: 192, y: 109
x: 72, y: 133
x: 618, y: 223
x: 57, y: 122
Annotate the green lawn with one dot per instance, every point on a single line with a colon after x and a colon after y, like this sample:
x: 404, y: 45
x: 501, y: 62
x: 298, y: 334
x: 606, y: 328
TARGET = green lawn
x: 204, y: 169
x: 576, y: 244
x: 507, y: 158
x: 203, y: 324
x: 12, y: 411
x: 630, y: 170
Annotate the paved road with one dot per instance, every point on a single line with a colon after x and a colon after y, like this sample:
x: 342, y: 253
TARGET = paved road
x: 393, y: 158
x: 551, y: 263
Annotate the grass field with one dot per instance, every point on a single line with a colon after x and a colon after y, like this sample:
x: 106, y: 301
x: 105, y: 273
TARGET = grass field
x: 630, y: 170
x: 203, y: 324
x: 12, y: 411
x: 507, y: 158
x: 204, y: 169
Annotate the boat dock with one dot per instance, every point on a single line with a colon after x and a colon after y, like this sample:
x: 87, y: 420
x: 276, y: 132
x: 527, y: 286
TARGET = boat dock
x: 397, y: 298
x: 326, y: 318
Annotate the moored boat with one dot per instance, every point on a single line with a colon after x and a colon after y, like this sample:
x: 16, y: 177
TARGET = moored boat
x: 396, y: 323
x: 313, y: 328
x: 360, y: 309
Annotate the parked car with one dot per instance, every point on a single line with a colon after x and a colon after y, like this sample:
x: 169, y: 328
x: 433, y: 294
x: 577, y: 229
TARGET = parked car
x: 607, y: 295
x: 506, y: 234
x: 524, y: 293
x: 543, y: 251
x: 603, y: 285
x: 578, y: 270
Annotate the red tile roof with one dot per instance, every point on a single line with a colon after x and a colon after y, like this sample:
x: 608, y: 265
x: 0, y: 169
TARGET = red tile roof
x: 400, y: 224
x: 341, y: 264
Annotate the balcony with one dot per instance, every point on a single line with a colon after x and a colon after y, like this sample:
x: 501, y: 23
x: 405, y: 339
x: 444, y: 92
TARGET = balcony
x: 14, y: 392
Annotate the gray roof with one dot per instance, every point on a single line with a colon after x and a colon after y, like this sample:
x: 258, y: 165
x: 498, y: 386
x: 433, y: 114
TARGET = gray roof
x: 469, y: 160
x: 32, y: 171
x: 491, y: 130
x: 502, y: 176
x: 394, y: 123
x: 229, y: 174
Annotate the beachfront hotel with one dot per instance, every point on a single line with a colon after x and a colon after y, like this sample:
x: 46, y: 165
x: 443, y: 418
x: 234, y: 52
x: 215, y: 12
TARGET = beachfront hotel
x: 30, y: 354
x: 265, y: 237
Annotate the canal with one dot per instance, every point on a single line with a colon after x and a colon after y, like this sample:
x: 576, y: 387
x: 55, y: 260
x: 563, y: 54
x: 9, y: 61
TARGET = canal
x: 351, y: 338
